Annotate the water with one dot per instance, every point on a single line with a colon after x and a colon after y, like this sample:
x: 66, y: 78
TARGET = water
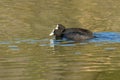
x: 28, y: 53
x: 59, y: 59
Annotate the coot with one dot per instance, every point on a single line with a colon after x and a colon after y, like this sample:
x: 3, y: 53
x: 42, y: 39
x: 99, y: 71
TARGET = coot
x: 76, y: 34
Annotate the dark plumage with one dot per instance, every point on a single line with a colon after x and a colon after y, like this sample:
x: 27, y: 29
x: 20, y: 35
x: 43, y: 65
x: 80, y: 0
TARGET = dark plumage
x: 76, y: 34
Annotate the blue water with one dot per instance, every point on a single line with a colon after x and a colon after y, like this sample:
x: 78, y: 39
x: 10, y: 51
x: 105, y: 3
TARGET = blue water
x: 108, y: 37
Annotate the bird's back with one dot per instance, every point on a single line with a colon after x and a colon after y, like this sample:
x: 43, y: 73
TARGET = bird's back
x: 77, y: 34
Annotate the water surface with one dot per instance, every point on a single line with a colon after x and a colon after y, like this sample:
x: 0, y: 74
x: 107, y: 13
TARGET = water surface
x: 28, y: 53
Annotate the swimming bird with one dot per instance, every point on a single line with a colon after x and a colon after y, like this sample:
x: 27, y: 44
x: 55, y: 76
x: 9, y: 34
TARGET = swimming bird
x: 75, y: 34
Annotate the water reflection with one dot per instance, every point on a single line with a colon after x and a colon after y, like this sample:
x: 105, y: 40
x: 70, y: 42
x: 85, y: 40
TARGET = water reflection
x: 69, y: 63
x: 60, y: 59
x: 107, y: 37
x: 26, y: 52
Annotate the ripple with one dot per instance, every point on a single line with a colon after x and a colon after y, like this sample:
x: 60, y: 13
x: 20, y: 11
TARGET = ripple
x: 5, y: 42
x: 13, y: 47
x: 110, y: 48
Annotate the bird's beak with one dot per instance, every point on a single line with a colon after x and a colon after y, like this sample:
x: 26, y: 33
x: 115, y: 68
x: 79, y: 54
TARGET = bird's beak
x: 52, y: 33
